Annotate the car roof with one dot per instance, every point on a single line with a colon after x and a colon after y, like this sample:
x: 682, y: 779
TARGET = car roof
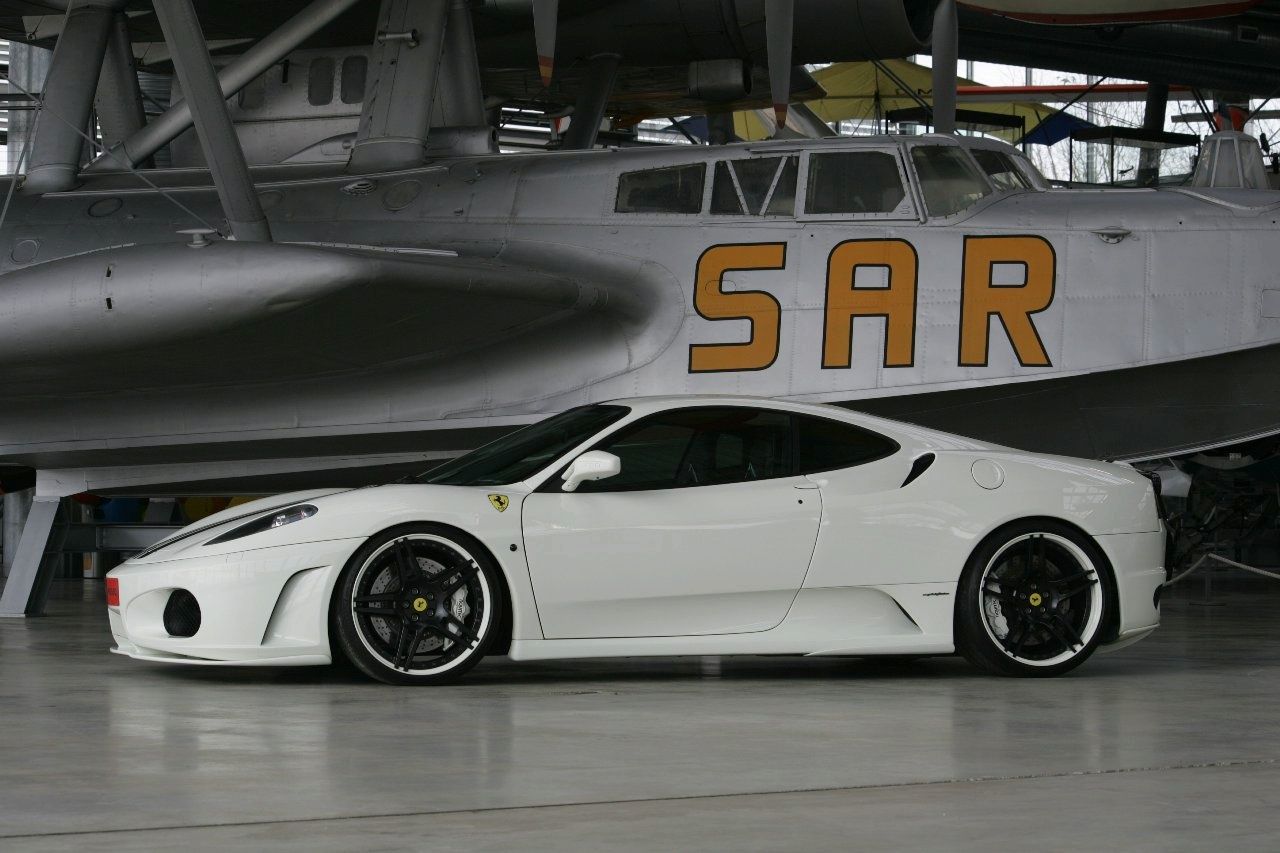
x: 903, y: 432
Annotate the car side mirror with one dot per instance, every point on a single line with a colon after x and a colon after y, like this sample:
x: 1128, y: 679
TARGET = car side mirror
x: 592, y: 465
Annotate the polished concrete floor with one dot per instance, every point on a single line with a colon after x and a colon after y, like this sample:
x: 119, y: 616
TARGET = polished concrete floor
x: 1172, y: 744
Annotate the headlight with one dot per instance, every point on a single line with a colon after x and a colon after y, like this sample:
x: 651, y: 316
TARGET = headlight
x: 279, y: 518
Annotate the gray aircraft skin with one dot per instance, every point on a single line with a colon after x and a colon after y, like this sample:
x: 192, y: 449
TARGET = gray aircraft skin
x: 421, y: 310
x: 393, y: 305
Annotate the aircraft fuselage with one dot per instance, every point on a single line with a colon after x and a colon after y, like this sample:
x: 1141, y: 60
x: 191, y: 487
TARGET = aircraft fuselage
x: 420, y: 309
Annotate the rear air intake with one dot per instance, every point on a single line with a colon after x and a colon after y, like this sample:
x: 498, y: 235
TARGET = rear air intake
x: 182, y: 614
x: 918, y: 467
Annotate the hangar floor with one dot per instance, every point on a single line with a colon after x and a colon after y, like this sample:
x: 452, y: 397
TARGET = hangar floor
x: 1171, y: 744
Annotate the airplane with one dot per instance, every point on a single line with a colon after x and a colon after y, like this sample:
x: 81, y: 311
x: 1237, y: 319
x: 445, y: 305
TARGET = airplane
x: 164, y: 329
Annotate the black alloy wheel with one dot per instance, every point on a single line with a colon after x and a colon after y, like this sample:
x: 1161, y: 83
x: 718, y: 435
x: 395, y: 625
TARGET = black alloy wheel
x: 1033, y: 601
x: 418, y: 604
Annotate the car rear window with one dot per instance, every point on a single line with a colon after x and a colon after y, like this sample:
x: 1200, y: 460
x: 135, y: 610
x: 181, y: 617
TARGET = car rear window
x: 825, y: 445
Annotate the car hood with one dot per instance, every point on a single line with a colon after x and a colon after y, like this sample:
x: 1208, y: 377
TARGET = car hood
x: 215, y: 525
x: 342, y: 514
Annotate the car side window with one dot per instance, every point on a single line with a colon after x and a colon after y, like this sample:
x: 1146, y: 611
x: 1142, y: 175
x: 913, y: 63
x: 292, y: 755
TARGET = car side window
x: 825, y: 445
x: 699, y: 447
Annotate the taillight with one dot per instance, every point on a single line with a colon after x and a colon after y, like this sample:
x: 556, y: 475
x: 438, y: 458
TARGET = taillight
x: 113, y: 592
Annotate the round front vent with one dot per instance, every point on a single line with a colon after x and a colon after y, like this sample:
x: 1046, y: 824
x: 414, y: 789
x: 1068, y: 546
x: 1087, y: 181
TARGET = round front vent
x: 182, y: 614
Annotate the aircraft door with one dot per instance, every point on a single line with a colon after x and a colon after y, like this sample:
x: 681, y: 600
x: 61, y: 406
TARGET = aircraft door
x: 706, y: 530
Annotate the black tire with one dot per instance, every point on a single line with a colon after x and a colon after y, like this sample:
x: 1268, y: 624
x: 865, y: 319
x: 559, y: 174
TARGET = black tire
x: 443, y: 602
x: 1034, y: 600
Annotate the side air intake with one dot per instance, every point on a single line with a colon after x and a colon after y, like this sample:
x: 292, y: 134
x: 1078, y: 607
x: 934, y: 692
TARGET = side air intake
x: 918, y: 467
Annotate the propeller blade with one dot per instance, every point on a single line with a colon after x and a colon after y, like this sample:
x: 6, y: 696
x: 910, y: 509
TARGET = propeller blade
x: 544, y: 36
x: 779, y: 18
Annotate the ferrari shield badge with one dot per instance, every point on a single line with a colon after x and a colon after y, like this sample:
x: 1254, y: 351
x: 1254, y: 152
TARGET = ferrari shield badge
x: 500, y: 502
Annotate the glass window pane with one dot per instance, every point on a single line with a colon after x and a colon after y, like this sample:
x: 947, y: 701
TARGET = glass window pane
x: 354, y: 69
x: 825, y: 445
x: 1000, y: 169
x: 948, y: 179
x: 755, y: 176
x: 783, y: 200
x: 854, y: 182
x: 651, y: 456
x: 320, y: 81
x: 724, y: 195
x: 523, y: 453
x: 699, y: 447
x: 674, y: 190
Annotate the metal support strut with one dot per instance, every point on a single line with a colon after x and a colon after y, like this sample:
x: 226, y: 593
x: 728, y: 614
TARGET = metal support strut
x: 68, y: 97
x: 398, y: 100
x: 214, y: 127
x: 589, y: 109
x: 119, y: 100
x: 243, y: 70
x: 946, y: 58
x: 1153, y: 119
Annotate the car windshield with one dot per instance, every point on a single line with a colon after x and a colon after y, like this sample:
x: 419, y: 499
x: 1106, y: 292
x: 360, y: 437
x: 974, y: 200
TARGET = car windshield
x: 525, y: 452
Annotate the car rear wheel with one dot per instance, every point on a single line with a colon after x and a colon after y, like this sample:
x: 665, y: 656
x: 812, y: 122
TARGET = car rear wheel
x: 418, y: 604
x: 1033, y: 601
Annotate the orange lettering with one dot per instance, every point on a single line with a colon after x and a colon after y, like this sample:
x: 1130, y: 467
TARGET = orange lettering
x: 981, y: 298
x: 896, y: 303
x: 713, y: 302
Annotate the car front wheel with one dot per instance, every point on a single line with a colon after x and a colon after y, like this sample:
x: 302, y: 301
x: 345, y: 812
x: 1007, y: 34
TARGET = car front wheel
x: 1033, y: 601
x: 418, y: 604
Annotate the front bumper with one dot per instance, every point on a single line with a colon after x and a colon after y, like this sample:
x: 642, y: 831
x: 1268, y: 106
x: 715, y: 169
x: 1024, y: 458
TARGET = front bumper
x: 268, y: 606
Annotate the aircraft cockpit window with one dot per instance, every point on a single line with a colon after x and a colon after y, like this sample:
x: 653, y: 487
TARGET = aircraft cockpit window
x: 354, y: 70
x: 1001, y: 169
x: 320, y: 81
x: 677, y: 189
x: 854, y: 182
x: 758, y: 186
x: 948, y: 179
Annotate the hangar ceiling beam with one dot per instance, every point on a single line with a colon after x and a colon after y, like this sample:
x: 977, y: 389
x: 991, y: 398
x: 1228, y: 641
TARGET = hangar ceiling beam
x: 239, y: 73
x: 68, y: 97
x: 214, y: 127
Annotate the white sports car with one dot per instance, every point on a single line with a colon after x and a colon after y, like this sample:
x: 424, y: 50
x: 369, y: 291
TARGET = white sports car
x: 676, y: 526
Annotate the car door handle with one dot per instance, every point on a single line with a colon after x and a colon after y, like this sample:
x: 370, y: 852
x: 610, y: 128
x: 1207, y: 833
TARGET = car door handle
x: 806, y: 486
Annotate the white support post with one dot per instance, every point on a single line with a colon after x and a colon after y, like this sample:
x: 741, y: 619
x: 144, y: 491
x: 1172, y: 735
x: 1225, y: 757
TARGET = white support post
x: 24, y: 591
